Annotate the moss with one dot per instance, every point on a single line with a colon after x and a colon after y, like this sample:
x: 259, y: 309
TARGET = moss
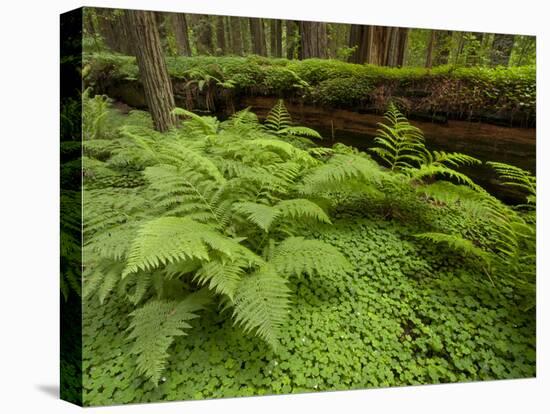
x: 456, y: 92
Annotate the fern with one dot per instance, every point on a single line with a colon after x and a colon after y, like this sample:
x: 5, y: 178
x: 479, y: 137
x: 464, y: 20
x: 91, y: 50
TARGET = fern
x: 261, y: 304
x: 516, y: 177
x: 297, y: 256
x: 400, y: 144
x: 278, y: 117
x: 458, y: 244
x: 264, y: 216
x: 279, y: 121
x: 171, y: 239
x: 339, y: 169
x: 154, y: 327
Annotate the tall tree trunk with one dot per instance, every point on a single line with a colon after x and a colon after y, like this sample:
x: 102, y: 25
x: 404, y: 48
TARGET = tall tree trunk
x: 220, y: 36
x: 257, y: 36
x: 290, y: 27
x: 276, y: 37
x: 205, y: 45
x: 430, y: 50
x: 159, y: 96
x: 181, y: 32
x: 378, y: 45
x: 313, y: 40
x: 502, y: 49
x: 113, y: 31
x: 236, y: 36
x: 355, y: 40
x: 402, y: 42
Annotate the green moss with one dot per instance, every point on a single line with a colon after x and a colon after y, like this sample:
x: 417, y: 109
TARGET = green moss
x: 503, y: 93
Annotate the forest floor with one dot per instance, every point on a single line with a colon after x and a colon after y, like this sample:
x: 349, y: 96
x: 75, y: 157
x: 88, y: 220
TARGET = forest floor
x: 407, y: 314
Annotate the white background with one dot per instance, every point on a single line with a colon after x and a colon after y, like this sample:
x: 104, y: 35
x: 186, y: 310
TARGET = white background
x: 29, y: 237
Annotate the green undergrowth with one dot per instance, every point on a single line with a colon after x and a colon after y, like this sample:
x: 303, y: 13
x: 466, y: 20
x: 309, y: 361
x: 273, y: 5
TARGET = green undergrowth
x: 458, y: 92
x: 240, y: 258
x: 407, y: 314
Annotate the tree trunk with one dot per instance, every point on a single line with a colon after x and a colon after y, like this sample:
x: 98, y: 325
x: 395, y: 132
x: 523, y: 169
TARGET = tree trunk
x: 113, y: 31
x: 276, y: 38
x: 502, y: 49
x: 205, y: 45
x: 152, y: 67
x: 313, y: 40
x: 290, y: 27
x: 429, y: 52
x: 181, y: 32
x: 220, y: 36
x: 236, y: 36
x: 257, y: 36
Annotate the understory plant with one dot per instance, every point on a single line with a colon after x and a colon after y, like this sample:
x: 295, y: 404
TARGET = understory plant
x: 508, y: 250
x: 221, y: 215
x: 219, y: 218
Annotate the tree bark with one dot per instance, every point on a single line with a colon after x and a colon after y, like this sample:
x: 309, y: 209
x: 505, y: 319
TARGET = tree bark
x: 429, y: 52
x: 152, y: 67
x: 502, y: 49
x: 236, y: 36
x: 276, y: 37
x: 257, y: 35
x: 290, y: 27
x: 181, y: 32
x: 114, y: 31
x: 220, y: 36
x: 313, y: 40
x: 205, y: 45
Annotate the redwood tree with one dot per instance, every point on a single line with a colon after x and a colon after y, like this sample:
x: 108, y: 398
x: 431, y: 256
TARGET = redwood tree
x: 220, y: 36
x: 236, y: 36
x: 181, y: 32
x: 313, y: 40
x: 257, y: 35
x: 276, y: 37
x: 383, y: 46
x: 153, y: 74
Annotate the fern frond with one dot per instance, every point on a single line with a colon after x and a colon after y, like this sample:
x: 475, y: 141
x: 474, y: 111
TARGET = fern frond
x: 223, y: 275
x: 170, y: 239
x: 400, y: 144
x: 429, y: 170
x: 155, y: 325
x: 517, y: 177
x: 297, y: 256
x: 278, y: 117
x: 457, y: 243
x: 337, y: 170
x: 261, y: 304
x: 300, y: 131
x: 200, y: 124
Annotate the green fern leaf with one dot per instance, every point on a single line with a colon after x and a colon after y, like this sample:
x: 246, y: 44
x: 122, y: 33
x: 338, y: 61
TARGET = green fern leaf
x: 155, y: 325
x: 296, y: 256
x: 261, y: 304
